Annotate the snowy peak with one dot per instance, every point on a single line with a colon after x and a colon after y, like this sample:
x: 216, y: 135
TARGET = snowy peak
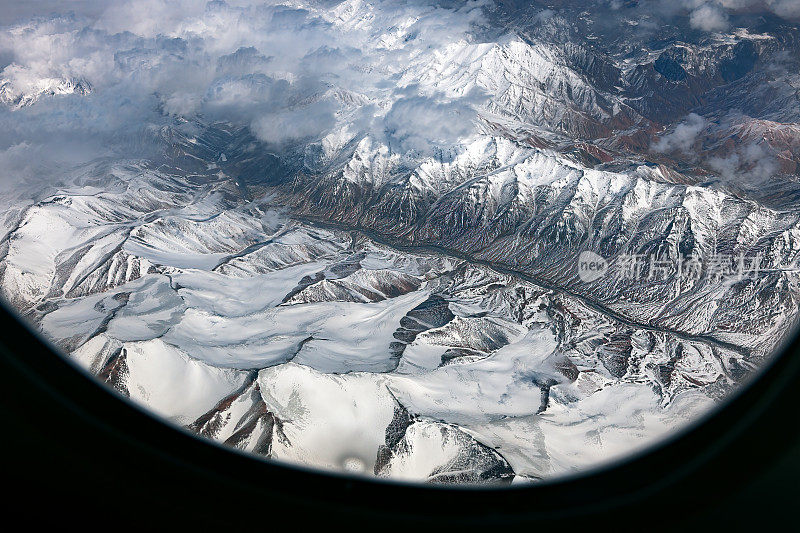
x: 17, y: 95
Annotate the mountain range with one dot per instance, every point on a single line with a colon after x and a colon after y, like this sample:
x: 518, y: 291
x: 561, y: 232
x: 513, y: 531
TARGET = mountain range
x: 371, y: 261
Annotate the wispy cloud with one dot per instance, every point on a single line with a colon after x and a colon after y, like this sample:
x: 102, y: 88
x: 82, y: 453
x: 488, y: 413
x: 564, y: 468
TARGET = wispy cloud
x: 683, y: 137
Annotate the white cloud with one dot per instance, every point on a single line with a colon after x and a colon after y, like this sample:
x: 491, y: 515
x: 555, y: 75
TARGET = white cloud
x: 684, y: 136
x: 294, y: 124
x: 709, y: 17
x: 709, y: 13
x: 420, y: 122
x: 715, y: 15
x: 789, y: 9
x: 751, y: 164
x: 271, y: 66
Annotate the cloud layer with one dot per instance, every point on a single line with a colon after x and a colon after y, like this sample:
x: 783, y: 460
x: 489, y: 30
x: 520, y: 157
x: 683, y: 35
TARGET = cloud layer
x: 289, y: 72
x: 714, y: 15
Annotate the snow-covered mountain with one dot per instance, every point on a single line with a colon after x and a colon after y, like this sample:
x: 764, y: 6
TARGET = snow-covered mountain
x: 369, y: 258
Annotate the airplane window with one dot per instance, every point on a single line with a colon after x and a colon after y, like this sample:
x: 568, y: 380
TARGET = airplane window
x: 465, y: 243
